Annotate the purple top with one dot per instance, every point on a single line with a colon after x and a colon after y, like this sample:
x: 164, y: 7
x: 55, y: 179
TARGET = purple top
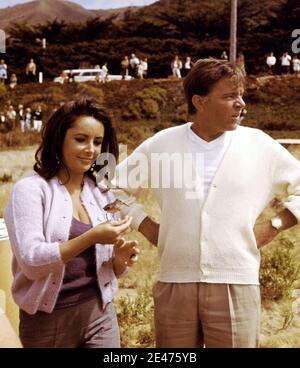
x: 80, y: 279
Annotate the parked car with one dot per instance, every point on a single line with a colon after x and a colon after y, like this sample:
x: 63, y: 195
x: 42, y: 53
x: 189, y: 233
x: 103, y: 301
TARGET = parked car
x: 85, y: 75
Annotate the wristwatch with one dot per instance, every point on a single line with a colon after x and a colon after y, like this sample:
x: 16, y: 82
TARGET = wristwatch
x: 277, y: 223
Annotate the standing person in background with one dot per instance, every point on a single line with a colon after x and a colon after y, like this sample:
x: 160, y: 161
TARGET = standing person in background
x: 13, y: 81
x: 240, y: 63
x: 11, y: 117
x: 271, y: 61
x: 67, y: 253
x: 124, y: 67
x: 187, y: 66
x: 3, y: 71
x: 296, y: 65
x: 21, y: 118
x: 143, y: 68
x: 38, y: 119
x: 285, y: 63
x: 176, y: 67
x: 28, y: 119
x: 144, y: 63
x: 224, y: 56
x: 133, y: 65
x: 2, y: 122
x: 31, y: 71
x: 104, y: 73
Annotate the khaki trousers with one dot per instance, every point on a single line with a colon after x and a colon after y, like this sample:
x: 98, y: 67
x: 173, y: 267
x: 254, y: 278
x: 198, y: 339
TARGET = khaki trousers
x: 193, y: 315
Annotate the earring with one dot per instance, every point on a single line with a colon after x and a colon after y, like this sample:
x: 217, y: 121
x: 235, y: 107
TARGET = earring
x: 57, y: 159
x: 92, y: 167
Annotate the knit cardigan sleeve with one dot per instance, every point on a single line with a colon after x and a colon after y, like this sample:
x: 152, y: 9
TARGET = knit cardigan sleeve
x: 286, y: 179
x: 24, y: 217
x: 131, y: 175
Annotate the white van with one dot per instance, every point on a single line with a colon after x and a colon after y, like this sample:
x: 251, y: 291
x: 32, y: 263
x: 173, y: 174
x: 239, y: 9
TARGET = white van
x: 85, y: 75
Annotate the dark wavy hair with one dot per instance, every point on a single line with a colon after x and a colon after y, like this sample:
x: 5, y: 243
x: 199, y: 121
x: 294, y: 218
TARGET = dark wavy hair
x: 49, y: 154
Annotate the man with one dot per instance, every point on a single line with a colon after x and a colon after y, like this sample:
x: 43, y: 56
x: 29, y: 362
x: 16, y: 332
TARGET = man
x: 3, y: 71
x: 31, y: 71
x: 271, y: 61
x: 11, y: 117
x: 38, y: 119
x: 208, y: 288
x: 285, y: 63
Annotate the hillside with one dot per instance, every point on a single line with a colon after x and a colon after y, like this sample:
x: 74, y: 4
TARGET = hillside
x: 159, y: 31
x: 42, y: 11
x: 141, y: 108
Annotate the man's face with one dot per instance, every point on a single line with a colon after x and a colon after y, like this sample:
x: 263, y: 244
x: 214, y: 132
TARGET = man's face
x: 222, y: 107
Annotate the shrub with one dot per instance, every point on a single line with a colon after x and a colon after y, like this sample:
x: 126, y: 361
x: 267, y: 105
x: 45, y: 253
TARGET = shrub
x: 17, y: 139
x: 3, y: 92
x: 90, y: 90
x: 135, y: 317
x: 147, y: 103
x: 278, y: 271
x: 6, y: 178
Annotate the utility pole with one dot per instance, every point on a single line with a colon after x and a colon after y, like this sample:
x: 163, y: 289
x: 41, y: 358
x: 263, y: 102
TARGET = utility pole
x: 233, y: 26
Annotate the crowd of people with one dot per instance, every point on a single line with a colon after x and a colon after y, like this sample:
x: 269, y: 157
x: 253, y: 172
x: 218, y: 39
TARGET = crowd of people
x: 137, y: 67
x: 30, y: 74
x: 134, y: 66
x: 180, y: 69
x: 26, y: 119
x: 287, y: 64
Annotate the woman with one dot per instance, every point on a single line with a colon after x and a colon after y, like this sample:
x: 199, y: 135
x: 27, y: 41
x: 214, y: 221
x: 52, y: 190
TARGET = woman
x: 64, y: 264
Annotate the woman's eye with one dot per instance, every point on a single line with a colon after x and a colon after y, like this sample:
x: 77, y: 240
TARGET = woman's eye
x: 97, y: 143
x: 79, y: 140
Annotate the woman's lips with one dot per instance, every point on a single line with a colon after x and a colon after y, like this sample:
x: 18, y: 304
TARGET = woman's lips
x: 86, y: 160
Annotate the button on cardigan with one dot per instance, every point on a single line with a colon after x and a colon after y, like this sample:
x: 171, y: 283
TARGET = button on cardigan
x: 38, y: 217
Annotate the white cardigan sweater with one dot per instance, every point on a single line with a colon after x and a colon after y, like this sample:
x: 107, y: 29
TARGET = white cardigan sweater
x: 211, y: 239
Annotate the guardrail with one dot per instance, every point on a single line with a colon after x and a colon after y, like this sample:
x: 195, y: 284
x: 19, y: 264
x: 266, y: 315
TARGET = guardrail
x: 288, y: 141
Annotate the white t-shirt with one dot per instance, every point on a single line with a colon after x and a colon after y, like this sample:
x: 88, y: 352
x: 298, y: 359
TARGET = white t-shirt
x: 296, y: 65
x: 271, y: 60
x: 212, y: 152
x: 286, y: 60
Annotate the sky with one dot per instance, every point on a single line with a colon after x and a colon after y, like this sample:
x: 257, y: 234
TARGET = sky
x: 89, y: 4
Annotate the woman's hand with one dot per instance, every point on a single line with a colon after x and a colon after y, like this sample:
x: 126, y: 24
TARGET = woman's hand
x: 126, y: 254
x: 106, y: 233
x: 109, y: 232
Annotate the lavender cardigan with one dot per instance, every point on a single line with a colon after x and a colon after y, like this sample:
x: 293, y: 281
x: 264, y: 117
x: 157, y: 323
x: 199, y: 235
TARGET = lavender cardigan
x: 38, y: 218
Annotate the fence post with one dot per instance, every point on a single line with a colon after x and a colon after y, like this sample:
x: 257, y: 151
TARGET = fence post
x: 2, y: 42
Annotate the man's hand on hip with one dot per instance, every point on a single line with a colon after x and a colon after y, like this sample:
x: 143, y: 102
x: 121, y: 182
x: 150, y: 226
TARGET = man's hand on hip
x: 264, y: 233
x: 150, y: 230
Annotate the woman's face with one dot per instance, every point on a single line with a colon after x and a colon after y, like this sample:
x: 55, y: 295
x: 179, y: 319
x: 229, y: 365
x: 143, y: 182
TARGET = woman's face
x: 82, y: 144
